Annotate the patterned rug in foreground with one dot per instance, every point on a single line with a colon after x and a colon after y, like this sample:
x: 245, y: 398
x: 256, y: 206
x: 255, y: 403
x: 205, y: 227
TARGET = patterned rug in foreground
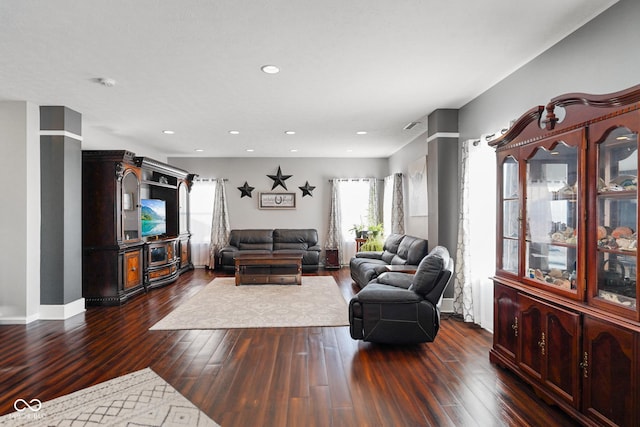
x: 141, y: 398
x: 223, y: 305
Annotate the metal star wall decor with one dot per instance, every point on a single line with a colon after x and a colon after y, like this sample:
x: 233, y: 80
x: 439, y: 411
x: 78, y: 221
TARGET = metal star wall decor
x: 279, y: 179
x: 307, y: 189
x: 245, y: 190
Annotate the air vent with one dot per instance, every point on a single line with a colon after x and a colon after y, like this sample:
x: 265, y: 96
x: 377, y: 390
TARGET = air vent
x: 411, y: 125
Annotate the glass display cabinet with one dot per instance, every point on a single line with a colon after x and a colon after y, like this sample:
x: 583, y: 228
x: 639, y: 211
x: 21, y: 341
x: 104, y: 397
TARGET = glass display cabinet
x: 551, y: 227
x: 566, y: 316
x: 614, y: 247
x: 510, y: 215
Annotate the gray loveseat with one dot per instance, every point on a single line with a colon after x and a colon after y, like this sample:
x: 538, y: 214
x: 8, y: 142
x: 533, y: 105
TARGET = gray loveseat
x: 303, y: 241
x: 398, y: 249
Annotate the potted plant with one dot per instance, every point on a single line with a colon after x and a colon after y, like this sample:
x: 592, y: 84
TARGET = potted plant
x: 375, y: 230
x: 374, y: 240
x: 357, y: 229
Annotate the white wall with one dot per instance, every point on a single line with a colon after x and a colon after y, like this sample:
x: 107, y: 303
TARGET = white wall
x: 20, y: 217
x: 310, y: 212
x: 399, y: 163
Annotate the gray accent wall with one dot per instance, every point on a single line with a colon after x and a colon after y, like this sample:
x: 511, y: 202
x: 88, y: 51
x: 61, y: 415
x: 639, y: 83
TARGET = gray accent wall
x: 600, y: 57
x: 61, y: 198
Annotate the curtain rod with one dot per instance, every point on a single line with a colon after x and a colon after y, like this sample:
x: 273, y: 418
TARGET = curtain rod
x: 355, y: 179
x: 210, y: 179
x: 359, y: 179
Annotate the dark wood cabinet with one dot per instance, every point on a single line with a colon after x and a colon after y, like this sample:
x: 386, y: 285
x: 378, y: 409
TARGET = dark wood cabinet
x: 566, y: 283
x: 505, y: 323
x: 609, y: 367
x: 549, y: 342
x: 118, y: 248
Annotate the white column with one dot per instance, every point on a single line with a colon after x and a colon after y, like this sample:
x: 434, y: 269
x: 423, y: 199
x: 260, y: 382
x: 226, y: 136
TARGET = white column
x: 20, y: 213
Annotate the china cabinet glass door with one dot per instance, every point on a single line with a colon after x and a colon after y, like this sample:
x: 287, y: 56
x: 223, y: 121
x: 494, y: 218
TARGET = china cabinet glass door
x: 183, y: 211
x: 617, y: 221
x: 130, y: 206
x: 510, y: 216
x: 552, y: 227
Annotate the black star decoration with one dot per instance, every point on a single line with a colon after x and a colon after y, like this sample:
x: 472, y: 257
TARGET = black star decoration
x: 245, y: 190
x: 307, y: 189
x: 279, y: 179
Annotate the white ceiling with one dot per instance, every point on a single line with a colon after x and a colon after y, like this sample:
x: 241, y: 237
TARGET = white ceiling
x: 193, y: 66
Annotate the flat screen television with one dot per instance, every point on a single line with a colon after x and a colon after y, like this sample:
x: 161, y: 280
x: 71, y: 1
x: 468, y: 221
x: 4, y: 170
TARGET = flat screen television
x: 153, y: 217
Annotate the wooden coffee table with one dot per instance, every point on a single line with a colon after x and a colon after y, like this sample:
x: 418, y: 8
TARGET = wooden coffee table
x: 280, y: 269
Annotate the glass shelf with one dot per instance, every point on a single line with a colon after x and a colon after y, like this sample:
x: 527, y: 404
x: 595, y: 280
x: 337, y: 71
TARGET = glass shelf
x: 551, y: 212
x: 616, y: 205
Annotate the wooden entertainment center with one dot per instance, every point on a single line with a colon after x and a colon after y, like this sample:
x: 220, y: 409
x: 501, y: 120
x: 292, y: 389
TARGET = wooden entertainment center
x: 566, y: 312
x: 135, y: 225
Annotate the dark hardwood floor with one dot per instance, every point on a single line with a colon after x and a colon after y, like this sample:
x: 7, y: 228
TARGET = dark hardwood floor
x: 274, y: 376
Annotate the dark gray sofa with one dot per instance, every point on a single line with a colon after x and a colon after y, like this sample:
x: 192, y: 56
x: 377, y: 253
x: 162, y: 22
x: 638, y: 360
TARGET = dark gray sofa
x: 398, y: 249
x: 303, y: 241
x: 401, y: 308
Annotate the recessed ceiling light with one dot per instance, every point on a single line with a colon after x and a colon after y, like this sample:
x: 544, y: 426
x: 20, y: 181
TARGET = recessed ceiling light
x: 168, y: 132
x: 106, y: 81
x: 250, y: 150
x: 234, y: 132
x: 270, y: 69
x: 290, y: 132
x: 349, y: 150
x: 361, y: 132
x: 198, y: 150
x: 293, y: 150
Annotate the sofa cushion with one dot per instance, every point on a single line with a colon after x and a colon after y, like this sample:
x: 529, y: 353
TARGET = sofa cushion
x: 251, y: 236
x: 283, y: 236
x: 412, y: 249
x: 392, y: 242
x: 302, y: 246
x: 429, y: 270
x: 254, y: 246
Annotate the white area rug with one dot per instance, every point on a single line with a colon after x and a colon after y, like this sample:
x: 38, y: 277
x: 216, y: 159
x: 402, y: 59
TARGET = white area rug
x: 141, y: 398
x: 223, y: 305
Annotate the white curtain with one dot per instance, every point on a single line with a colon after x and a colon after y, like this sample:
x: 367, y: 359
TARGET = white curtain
x: 356, y: 204
x: 393, y: 205
x: 475, y: 254
x: 334, y: 232
x: 201, y: 210
x: 208, y: 207
x: 219, y: 223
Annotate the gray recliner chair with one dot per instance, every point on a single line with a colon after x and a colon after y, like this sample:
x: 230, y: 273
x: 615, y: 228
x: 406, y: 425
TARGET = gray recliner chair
x: 401, y: 308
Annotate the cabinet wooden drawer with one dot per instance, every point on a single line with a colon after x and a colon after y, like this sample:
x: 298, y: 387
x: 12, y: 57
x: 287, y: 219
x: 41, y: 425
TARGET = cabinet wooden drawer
x: 132, y: 268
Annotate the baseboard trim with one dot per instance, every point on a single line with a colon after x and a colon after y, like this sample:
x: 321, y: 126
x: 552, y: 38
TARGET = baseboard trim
x: 447, y: 305
x: 62, y: 312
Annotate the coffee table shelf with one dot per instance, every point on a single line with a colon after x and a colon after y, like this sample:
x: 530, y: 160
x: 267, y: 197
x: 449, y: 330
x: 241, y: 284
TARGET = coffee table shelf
x: 278, y: 269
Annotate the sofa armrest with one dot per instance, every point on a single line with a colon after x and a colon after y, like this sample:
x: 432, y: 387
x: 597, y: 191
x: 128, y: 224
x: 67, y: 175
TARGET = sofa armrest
x: 229, y: 249
x: 399, y: 280
x: 316, y: 248
x: 376, y: 293
x: 369, y: 254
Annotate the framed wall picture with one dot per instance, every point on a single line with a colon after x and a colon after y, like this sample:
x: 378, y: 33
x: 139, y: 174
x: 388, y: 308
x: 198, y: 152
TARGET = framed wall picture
x: 277, y: 201
x: 418, y: 187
